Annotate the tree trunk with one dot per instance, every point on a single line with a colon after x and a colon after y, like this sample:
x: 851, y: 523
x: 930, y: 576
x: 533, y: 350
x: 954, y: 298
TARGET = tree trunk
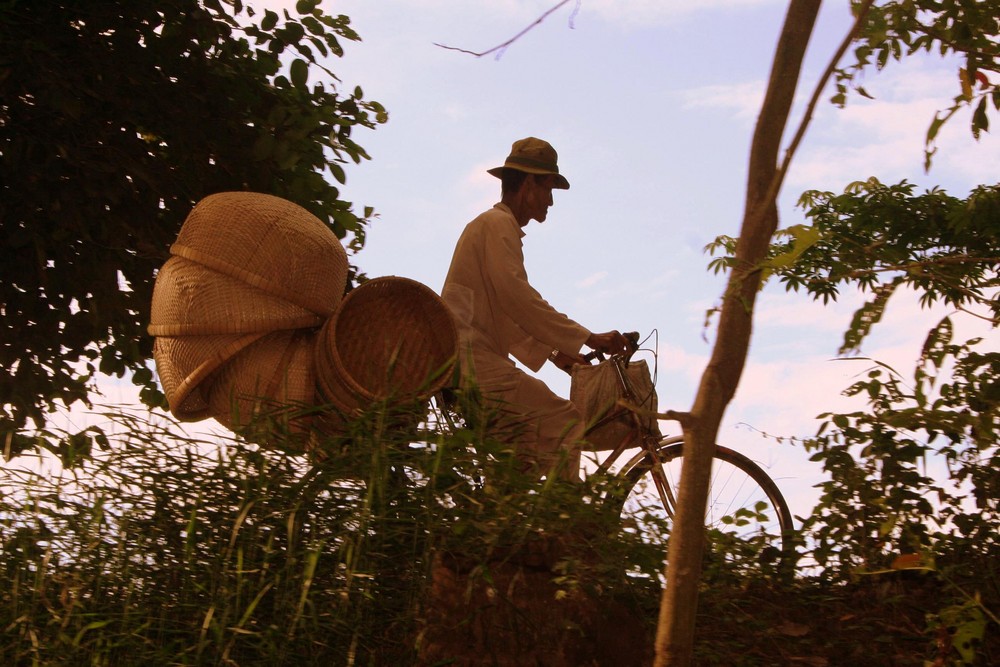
x: 675, y: 633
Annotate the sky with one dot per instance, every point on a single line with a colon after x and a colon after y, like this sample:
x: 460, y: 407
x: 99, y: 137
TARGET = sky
x: 651, y: 105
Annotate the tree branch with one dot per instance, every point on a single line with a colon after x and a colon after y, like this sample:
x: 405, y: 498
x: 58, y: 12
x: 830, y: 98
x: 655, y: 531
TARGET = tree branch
x: 504, y: 45
x: 683, y: 418
x: 831, y: 68
x: 930, y: 262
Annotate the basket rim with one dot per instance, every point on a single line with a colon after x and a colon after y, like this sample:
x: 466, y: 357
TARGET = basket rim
x: 221, y: 328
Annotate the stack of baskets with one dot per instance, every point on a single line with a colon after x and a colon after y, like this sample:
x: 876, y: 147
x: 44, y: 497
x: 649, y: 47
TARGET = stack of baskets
x: 249, y: 311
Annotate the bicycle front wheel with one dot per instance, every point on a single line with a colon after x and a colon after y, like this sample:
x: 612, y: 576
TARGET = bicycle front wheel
x: 744, y: 506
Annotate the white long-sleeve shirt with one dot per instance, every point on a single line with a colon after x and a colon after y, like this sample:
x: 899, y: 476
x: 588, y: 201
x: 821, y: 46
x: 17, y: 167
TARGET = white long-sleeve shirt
x: 495, y: 307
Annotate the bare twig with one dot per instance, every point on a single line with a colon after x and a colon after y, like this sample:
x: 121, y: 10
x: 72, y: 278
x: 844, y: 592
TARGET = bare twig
x: 501, y: 47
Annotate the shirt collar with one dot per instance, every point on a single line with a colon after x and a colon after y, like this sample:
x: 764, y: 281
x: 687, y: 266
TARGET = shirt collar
x: 506, y: 209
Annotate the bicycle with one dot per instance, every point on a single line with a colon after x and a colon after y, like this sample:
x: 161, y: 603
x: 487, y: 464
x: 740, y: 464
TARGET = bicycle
x: 744, y: 501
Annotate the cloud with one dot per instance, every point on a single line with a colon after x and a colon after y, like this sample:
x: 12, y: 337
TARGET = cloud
x: 505, y: 18
x: 885, y: 137
x: 882, y: 137
x: 742, y: 100
x: 592, y: 279
x: 779, y: 309
x: 792, y: 376
x: 786, y: 392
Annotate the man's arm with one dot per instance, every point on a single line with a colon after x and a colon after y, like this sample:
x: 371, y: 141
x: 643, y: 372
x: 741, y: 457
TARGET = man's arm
x: 565, y: 362
x: 503, y: 261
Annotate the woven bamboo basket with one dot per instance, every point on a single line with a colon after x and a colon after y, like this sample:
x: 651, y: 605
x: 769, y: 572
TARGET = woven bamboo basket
x: 245, y: 265
x: 391, y: 339
x: 273, y: 378
x: 268, y: 243
x: 184, y: 362
x: 190, y: 299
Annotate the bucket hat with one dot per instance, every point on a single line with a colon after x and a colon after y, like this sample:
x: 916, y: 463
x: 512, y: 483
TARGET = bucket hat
x: 532, y: 156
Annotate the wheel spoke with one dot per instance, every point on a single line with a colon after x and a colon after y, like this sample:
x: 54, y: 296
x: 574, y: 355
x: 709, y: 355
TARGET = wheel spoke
x: 743, y: 501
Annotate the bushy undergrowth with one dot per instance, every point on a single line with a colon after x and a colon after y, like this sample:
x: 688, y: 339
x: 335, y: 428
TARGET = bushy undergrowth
x: 170, y: 549
x: 914, y: 485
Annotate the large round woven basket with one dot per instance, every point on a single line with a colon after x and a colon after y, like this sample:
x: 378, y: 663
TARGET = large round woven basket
x: 269, y: 243
x: 190, y: 299
x: 391, y: 339
x: 273, y: 378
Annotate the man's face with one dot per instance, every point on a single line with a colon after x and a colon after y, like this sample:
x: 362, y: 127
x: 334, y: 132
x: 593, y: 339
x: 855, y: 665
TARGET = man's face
x: 538, y: 196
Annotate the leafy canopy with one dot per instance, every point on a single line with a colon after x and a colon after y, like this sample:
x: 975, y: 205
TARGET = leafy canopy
x: 116, y: 117
x: 965, y: 28
x: 881, y: 237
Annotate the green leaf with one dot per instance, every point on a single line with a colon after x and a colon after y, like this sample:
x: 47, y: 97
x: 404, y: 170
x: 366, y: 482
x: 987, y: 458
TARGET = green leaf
x: 263, y: 148
x: 969, y: 625
x: 142, y: 376
x: 803, y: 238
x: 299, y: 72
x: 935, y: 345
x: 93, y: 625
x: 338, y: 172
x: 935, y: 126
x: 868, y: 315
x: 980, y: 121
x: 269, y: 21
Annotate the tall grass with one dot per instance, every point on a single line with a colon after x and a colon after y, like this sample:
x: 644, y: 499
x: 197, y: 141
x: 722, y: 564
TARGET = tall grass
x: 172, y: 549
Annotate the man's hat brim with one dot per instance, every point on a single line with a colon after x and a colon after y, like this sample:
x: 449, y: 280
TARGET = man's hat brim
x: 560, y: 182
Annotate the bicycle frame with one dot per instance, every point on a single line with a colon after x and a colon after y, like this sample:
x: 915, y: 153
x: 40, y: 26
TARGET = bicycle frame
x: 655, y: 464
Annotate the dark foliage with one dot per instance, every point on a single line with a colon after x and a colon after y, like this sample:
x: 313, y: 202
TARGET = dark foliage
x: 115, y: 119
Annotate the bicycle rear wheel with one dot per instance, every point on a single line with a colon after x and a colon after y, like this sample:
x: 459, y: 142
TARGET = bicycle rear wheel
x: 744, y: 504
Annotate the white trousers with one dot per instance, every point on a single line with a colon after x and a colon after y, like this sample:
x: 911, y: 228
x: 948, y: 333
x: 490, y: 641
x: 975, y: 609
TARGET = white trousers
x: 542, y: 427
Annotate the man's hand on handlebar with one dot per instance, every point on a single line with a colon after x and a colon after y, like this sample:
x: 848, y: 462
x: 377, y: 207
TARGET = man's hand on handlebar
x: 611, y: 342
x: 608, y: 343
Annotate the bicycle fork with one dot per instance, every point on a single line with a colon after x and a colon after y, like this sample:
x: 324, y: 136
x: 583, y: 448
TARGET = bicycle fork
x: 650, y: 444
x: 663, y: 488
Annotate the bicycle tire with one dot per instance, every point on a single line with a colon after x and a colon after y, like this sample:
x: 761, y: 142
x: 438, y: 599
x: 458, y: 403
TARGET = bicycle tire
x: 738, y: 485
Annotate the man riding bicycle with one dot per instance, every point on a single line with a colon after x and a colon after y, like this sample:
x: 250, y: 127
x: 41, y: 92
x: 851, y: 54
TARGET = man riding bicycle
x: 500, y: 314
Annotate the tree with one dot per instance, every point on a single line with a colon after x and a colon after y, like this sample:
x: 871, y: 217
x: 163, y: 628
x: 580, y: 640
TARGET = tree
x: 115, y: 119
x: 890, y: 30
x: 675, y: 634
x: 877, y: 503
x: 901, y: 28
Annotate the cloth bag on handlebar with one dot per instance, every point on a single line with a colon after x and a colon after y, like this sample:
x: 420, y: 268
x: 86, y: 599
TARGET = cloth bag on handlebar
x: 595, y: 391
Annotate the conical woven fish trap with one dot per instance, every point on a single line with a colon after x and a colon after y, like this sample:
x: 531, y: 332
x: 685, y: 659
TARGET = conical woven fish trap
x: 391, y: 338
x: 268, y: 243
x: 184, y: 362
x: 274, y: 377
x: 190, y: 299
